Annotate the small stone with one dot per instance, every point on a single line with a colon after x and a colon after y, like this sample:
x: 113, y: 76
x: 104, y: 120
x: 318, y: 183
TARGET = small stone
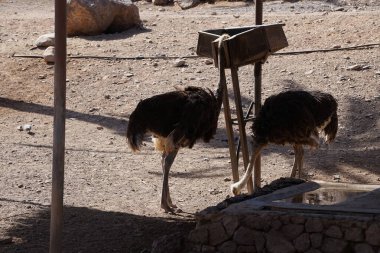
x: 129, y: 74
x: 309, y: 72
x: 339, y: 9
x: 337, y: 46
x: 107, y: 96
x: 179, y: 63
x: 20, y: 128
x: 99, y: 127
x: 27, y: 127
x: 336, y: 177
x: 209, y: 61
x: 236, y: 16
x: 227, y: 179
x: 42, y: 76
x: 48, y: 55
x: 20, y: 186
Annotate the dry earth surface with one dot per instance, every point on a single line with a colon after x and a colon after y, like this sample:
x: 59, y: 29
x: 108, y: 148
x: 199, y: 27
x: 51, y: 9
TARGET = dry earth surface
x: 111, y: 195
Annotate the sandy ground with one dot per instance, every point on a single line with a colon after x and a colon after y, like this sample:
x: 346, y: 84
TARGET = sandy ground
x: 112, y: 195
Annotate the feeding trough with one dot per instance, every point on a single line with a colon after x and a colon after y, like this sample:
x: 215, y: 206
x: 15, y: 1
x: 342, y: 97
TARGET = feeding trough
x: 246, y: 45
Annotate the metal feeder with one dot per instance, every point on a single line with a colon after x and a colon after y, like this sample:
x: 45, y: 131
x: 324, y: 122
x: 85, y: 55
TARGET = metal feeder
x: 246, y: 45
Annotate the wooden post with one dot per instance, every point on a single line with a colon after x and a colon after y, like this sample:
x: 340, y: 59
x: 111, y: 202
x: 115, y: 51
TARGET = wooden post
x: 56, y: 219
x: 258, y: 74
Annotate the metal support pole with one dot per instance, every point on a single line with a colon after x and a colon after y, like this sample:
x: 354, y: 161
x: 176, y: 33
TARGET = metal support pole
x: 56, y: 220
x: 258, y: 74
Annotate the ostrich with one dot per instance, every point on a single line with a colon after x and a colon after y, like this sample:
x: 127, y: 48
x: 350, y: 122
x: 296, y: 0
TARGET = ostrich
x: 176, y: 119
x: 292, y: 117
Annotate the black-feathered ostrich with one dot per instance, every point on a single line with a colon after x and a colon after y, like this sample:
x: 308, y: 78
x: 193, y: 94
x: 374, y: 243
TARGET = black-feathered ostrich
x: 292, y: 117
x: 176, y: 119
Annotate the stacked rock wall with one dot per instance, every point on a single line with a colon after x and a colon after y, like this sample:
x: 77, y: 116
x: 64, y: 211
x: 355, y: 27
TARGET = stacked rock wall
x: 286, y: 232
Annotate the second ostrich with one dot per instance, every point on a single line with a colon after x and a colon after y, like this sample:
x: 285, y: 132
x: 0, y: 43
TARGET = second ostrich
x: 176, y: 119
x: 295, y: 118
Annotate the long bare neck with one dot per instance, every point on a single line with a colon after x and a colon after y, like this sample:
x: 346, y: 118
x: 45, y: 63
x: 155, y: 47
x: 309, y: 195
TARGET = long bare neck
x: 222, y: 77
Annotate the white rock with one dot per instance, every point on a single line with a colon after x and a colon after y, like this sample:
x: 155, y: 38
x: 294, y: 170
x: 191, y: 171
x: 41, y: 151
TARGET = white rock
x: 45, y: 40
x: 27, y: 127
x: 49, y: 55
x: 179, y: 63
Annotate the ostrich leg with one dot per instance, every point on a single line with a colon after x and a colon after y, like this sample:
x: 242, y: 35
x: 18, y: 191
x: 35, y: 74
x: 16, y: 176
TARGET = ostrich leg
x: 167, y: 161
x: 298, y: 158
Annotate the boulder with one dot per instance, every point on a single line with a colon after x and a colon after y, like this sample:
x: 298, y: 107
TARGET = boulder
x: 187, y: 4
x: 92, y: 17
x: 45, y: 40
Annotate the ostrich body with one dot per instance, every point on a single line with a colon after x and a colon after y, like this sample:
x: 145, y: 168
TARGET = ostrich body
x: 176, y: 119
x: 295, y: 118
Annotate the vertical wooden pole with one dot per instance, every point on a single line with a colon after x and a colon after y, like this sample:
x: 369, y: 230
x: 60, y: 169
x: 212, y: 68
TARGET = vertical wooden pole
x: 56, y: 219
x: 257, y: 74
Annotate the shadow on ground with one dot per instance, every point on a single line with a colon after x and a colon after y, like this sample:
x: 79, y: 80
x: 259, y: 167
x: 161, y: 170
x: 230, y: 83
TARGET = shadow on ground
x: 90, y: 230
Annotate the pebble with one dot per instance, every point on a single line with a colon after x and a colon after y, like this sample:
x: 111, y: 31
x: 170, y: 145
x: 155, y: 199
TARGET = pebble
x: 209, y: 61
x: 179, y: 63
x: 27, y: 127
x: 336, y: 177
x: 309, y: 72
x: 227, y: 179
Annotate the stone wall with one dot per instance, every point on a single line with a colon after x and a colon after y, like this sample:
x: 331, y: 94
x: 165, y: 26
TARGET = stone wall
x: 286, y: 232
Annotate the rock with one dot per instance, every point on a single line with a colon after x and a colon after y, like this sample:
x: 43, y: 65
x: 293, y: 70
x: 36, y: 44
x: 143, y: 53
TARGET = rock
x: 199, y: 235
x: 187, y: 4
x: 230, y: 224
x: 334, y: 231
x: 291, y: 231
x: 89, y: 17
x: 27, y: 127
x: 372, y: 234
x: 227, y: 247
x: 358, y: 67
x: 332, y: 245
x: 302, y: 243
x: 244, y: 236
x: 354, y: 234
x: 160, y: 2
x: 276, y: 243
x: 179, y: 63
x: 168, y: 244
x: 316, y: 240
x: 217, y: 234
x: 48, y: 55
x: 313, y: 225
x: 45, y: 40
x: 363, y: 248
x: 309, y: 72
x: 246, y: 249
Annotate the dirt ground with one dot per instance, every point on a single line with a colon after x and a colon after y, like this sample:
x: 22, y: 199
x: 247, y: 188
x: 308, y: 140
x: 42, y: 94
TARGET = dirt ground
x: 112, y: 196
